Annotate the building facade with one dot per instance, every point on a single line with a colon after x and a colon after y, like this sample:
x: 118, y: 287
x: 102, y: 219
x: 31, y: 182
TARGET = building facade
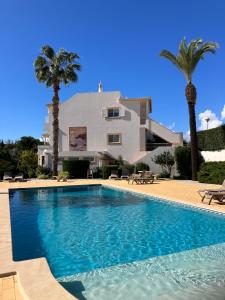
x: 104, y: 125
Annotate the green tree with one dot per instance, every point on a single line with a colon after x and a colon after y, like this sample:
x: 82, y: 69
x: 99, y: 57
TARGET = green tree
x: 165, y: 160
x: 186, y: 61
x: 28, y: 163
x: 54, y: 69
x: 28, y: 143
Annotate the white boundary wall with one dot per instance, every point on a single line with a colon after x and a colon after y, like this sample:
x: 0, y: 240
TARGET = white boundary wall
x: 214, y: 155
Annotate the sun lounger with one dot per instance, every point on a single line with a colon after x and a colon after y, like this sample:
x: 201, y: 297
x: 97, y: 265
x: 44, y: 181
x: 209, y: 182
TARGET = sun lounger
x: 202, y: 193
x: 7, y: 176
x: 125, y: 174
x: 18, y: 177
x: 212, y: 195
x: 114, y: 175
x: 143, y: 178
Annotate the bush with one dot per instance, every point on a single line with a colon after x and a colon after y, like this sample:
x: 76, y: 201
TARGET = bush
x: 63, y: 175
x: 97, y: 172
x: 164, y: 175
x: 212, y: 172
x: 129, y: 167
x: 166, y: 162
x: 76, y: 168
x: 142, y: 167
x: 183, y: 161
x: 42, y: 176
x: 107, y: 170
x: 28, y: 163
x: 212, y: 139
x: 43, y: 171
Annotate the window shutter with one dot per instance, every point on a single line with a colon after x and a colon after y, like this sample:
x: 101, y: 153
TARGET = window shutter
x: 122, y: 112
x: 104, y: 113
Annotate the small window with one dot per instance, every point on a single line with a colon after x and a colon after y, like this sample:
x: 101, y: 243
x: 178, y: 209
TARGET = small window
x: 114, y: 138
x: 113, y: 112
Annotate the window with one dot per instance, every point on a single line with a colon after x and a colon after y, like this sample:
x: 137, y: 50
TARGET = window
x: 143, y: 113
x: 113, y: 112
x: 114, y: 138
x: 42, y: 160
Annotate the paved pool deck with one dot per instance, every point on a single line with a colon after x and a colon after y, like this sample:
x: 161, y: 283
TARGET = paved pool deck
x: 33, y: 279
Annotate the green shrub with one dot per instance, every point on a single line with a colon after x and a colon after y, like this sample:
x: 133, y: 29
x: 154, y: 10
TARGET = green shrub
x: 43, y: 171
x: 142, y: 167
x: 166, y: 162
x: 63, y: 175
x: 97, y: 172
x: 28, y: 163
x: 212, y: 172
x: 76, y: 168
x: 43, y: 176
x: 164, y: 175
x: 107, y: 170
x: 129, y: 167
x: 183, y: 161
x: 212, y: 139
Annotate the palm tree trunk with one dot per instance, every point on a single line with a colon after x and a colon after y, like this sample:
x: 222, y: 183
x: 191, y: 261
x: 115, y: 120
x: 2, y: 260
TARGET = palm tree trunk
x: 191, y: 98
x: 55, y: 125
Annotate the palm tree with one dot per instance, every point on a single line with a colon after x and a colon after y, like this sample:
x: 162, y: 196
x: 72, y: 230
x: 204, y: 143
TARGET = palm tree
x: 186, y: 61
x: 53, y: 69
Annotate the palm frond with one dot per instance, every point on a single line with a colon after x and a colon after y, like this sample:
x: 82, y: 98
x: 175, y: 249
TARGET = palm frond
x: 189, y: 55
x: 51, y: 67
x: 168, y: 55
x: 48, y: 51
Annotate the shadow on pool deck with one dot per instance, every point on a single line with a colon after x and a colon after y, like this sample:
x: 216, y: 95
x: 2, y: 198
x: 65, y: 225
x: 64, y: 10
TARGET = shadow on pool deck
x: 75, y: 288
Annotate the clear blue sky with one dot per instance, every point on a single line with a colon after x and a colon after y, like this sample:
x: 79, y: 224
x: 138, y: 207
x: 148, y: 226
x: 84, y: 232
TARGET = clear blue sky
x: 119, y: 42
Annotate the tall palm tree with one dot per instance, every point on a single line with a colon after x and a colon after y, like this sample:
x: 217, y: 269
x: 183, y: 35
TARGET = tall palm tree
x: 186, y: 61
x: 54, y: 68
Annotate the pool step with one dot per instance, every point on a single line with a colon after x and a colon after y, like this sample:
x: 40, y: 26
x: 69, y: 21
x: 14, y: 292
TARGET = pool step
x: 186, y: 275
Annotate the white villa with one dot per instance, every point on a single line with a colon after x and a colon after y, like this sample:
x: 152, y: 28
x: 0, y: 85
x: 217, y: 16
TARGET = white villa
x: 101, y: 126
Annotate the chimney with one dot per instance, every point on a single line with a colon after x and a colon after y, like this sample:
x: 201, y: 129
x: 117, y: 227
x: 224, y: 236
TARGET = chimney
x: 100, y: 87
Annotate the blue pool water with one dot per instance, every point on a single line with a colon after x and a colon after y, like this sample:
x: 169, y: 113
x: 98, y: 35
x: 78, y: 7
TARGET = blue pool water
x: 80, y: 229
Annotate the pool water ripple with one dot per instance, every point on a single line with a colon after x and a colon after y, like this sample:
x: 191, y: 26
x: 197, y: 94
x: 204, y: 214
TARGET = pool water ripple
x: 89, y: 229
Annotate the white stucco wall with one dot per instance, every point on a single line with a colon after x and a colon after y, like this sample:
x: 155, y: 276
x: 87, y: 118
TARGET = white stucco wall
x: 154, y: 167
x: 86, y: 110
x: 213, y: 155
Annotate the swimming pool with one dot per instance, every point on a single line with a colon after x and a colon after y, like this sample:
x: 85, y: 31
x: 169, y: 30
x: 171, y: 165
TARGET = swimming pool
x: 90, y: 234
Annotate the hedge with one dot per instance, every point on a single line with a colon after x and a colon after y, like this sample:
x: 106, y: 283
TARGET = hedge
x: 183, y: 161
x: 212, y: 139
x: 76, y: 168
x: 212, y: 172
x: 142, y: 167
x: 107, y: 170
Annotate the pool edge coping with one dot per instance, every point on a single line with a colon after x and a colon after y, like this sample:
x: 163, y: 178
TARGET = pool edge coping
x: 37, y: 283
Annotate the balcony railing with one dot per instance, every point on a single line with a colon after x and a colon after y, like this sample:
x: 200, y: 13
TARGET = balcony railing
x: 153, y: 146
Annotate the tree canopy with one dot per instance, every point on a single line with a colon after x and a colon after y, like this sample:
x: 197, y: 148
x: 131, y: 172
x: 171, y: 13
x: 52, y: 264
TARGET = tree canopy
x: 189, y: 55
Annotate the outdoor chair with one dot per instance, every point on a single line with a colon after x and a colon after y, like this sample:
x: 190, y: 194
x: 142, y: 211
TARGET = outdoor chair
x: 90, y: 174
x: 19, y: 177
x: 125, y: 174
x: 134, y: 178
x: 142, y: 178
x: 114, y: 175
x: 212, y: 195
x: 7, y: 176
x: 202, y: 193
